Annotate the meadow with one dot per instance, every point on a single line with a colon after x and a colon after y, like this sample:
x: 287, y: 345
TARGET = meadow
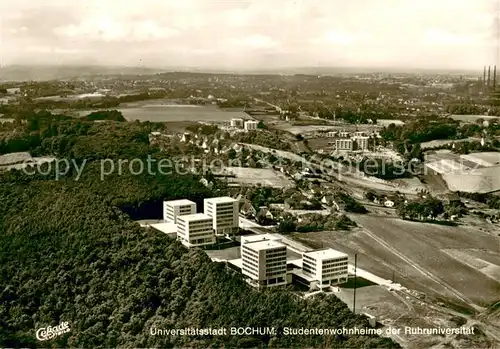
x: 175, y: 112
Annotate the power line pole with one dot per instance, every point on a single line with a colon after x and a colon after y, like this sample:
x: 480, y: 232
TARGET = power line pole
x: 355, y: 270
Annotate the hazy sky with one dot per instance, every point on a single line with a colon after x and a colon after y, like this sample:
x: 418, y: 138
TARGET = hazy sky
x: 250, y: 34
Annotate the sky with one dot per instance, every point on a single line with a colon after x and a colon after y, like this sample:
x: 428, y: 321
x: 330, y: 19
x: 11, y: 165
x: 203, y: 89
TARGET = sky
x: 254, y: 34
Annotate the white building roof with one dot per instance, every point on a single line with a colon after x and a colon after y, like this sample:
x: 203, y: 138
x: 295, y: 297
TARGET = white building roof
x: 221, y: 199
x: 180, y: 202
x: 167, y: 228
x: 257, y: 238
x: 194, y: 217
x: 265, y: 245
x: 325, y: 254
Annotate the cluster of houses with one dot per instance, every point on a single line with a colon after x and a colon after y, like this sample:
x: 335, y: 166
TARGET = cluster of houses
x: 265, y: 259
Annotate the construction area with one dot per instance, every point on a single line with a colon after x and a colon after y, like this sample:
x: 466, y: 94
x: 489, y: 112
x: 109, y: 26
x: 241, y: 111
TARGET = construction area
x: 473, y: 173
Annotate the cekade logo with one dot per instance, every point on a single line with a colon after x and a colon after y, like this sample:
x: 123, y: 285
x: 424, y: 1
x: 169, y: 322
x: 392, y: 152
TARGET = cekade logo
x: 47, y: 333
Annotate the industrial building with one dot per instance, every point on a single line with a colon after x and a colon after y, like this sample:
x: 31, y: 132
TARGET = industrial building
x: 225, y: 214
x: 176, y: 208
x: 195, y: 230
x: 263, y: 261
x: 327, y: 267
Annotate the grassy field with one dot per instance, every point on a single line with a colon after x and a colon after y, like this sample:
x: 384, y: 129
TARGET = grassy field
x: 157, y: 111
x: 254, y: 176
x: 472, y: 118
x: 414, y: 252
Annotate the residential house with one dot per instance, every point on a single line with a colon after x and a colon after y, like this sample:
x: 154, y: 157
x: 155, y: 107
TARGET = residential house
x: 247, y: 209
x: 264, y: 215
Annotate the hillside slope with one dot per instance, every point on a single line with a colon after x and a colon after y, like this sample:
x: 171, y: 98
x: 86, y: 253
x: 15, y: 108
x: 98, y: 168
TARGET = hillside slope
x: 67, y: 256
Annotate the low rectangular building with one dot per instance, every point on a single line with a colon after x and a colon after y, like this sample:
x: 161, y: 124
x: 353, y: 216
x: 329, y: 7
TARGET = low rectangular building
x: 173, y: 209
x: 195, y: 230
x: 264, y: 262
x: 328, y: 267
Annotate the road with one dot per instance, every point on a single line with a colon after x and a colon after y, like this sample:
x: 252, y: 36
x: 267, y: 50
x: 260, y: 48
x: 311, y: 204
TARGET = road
x: 278, y: 109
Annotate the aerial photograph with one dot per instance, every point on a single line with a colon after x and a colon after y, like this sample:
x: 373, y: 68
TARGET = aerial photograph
x: 250, y: 174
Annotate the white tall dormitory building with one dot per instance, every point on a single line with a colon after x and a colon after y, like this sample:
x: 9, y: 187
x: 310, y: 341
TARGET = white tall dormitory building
x: 195, y: 230
x: 225, y: 213
x: 263, y: 260
x: 237, y: 122
x: 327, y: 267
x: 176, y: 208
x: 251, y: 125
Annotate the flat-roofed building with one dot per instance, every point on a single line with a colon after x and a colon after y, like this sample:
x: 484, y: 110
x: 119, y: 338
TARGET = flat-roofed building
x: 225, y: 213
x: 328, y: 267
x: 195, y: 230
x: 237, y: 122
x: 344, y: 144
x: 257, y: 238
x: 251, y: 125
x: 361, y: 142
x: 263, y: 262
x: 175, y: 208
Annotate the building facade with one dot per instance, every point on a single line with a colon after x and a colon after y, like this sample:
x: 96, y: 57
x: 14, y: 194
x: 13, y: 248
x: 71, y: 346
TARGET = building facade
x: 328, y: 267
x: 224, y: 211
x: 195, y: 230
x: 344, y: 144
x: 251, y: 125
x: 175, y: 208
x: 263, y: 261
x: 237, y: 123
x: 361, y: 142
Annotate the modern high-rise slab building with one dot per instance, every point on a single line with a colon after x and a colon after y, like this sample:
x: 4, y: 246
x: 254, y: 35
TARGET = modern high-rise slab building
x: 175, y: 208
x: 195, y: 230
x: 225, y: 213
x: 327, y: 267
x: 251, y: 125
x: 263, y: 261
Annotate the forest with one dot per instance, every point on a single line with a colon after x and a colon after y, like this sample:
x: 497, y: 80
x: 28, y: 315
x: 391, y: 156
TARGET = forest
x: 70, y: 251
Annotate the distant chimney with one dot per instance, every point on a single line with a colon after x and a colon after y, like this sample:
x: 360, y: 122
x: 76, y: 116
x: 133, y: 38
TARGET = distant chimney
x: 494, y: 76
x: 484, y: 76
x: 489, y: 74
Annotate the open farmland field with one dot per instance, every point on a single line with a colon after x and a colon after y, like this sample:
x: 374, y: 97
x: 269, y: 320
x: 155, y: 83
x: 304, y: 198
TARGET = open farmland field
x: 415, y: 252
x: 472, y: 118
x: 254, y: 176
x: 320, y: 143
x: 338, y: 126
x: 443, y: 142
x: 174, y: 113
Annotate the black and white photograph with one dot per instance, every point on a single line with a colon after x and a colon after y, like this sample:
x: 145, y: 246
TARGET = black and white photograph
x: 250, y: 174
